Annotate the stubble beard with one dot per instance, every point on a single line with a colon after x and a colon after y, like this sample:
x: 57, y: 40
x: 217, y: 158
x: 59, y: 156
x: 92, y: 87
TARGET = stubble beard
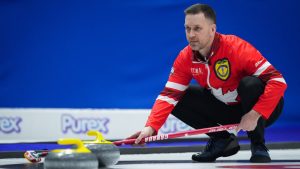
x: 196, y: 46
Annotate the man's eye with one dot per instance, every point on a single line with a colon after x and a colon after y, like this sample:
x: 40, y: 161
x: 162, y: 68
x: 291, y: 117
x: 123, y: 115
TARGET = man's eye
x: 197, y: 29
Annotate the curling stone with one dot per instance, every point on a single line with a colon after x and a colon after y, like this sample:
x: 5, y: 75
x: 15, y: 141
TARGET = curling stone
x: 107, y: 153
x: 79, y: 158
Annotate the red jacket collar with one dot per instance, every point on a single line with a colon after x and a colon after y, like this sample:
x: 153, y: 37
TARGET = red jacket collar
x: 214, y: 47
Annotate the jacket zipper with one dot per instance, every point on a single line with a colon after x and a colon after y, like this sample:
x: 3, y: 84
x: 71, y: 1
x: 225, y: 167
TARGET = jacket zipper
x: 208, y: 75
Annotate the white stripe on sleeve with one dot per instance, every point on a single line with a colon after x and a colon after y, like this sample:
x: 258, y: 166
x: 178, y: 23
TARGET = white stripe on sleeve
x: 279, y: 80
x: 262, y: 68
x: 176, y: 86
x: 167, y: 99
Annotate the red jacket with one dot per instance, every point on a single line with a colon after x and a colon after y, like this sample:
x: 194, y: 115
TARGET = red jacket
x: 231, y: 59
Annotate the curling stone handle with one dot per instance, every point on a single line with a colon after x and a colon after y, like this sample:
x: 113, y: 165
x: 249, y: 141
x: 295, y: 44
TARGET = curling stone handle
x: 99, y: 137
x: 74, y: 141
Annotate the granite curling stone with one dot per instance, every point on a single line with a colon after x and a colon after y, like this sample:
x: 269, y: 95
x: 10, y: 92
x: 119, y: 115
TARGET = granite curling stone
x: 106, y: 152
x: 79, y: 158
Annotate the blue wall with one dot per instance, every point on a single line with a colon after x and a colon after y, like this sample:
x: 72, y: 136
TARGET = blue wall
x: 117, y: 54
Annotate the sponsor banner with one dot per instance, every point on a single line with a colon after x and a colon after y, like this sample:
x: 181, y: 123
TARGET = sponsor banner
x: 10, y: 124
x: 38, y: 125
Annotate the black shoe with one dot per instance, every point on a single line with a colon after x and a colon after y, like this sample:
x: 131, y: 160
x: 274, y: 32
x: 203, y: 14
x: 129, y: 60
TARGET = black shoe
x: 218, y: 147
x: 259, y: 153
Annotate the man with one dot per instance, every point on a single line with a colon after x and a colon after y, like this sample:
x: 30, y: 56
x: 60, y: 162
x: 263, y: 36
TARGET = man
x: 237, y: 85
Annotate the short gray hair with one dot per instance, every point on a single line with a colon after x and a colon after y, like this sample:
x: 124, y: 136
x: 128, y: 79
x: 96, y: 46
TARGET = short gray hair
x: 201, y: 8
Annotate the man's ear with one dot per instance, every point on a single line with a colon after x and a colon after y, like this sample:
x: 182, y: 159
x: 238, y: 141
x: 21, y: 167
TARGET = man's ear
x: 213, y: 28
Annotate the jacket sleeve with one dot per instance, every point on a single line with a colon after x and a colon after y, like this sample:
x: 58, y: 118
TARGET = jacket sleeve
x: 254, y: 64
x: 175, y: 87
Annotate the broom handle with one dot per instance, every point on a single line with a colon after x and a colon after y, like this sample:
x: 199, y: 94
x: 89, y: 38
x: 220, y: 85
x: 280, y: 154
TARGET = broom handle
x: 179, y: 134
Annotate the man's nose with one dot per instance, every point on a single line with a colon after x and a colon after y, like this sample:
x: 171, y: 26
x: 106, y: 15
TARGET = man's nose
x: 191, y: 34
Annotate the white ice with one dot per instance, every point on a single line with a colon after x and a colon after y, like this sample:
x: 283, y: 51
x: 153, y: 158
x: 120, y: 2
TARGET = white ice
x: 281, y: 159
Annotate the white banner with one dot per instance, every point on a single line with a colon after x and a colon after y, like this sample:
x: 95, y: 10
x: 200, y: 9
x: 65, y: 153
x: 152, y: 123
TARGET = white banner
x: 38, y: 125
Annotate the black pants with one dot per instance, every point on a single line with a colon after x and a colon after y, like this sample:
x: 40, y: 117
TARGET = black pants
x: 198, y: 108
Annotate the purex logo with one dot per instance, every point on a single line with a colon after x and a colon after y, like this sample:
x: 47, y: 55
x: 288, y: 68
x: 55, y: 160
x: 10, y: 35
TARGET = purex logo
x: 82, y: 125
x: 174, y: 125
x: 10, y: 124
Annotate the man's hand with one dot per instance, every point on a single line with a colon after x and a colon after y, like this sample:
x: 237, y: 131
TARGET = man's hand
x: 249, y: 121
x: 146, y: 132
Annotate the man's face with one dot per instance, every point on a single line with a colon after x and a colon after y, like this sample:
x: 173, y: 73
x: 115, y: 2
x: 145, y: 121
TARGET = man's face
x: 199, y: 31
